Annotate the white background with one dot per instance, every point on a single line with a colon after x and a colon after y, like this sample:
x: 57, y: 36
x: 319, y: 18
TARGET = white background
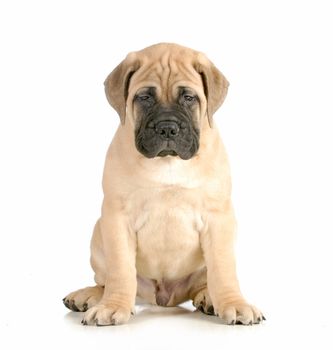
x: 56, y: 126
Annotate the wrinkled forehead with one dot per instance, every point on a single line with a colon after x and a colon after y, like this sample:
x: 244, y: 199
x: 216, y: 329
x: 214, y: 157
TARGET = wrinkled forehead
x: 166, y: 74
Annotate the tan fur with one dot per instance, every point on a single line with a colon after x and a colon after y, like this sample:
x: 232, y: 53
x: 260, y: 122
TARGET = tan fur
x: 168, y: 221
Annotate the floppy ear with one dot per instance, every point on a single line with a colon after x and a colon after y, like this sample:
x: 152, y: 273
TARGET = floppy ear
x: 117, y: 84
x: 215, y: 86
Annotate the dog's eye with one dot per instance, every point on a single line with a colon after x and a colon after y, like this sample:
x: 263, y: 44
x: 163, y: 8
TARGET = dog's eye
x: 143, y: 97
x: 189, y: 98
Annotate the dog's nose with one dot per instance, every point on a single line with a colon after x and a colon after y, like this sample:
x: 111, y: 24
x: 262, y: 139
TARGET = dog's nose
x: 167, y: 129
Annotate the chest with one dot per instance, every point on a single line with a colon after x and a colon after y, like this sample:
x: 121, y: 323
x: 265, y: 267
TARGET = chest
x: 168, y: 209
x: 167, y: 224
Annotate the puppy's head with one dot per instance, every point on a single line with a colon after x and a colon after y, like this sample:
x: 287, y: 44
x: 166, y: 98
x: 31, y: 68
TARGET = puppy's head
x: 166, y: 92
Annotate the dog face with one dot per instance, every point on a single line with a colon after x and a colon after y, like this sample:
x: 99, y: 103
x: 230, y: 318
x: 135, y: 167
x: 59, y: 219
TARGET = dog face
x: 166, y: 129
x: 166, y: 91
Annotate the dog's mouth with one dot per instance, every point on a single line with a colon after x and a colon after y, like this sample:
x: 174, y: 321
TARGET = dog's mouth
x: 167, y: 148
x: 166, y: 152
x: 167, y: 133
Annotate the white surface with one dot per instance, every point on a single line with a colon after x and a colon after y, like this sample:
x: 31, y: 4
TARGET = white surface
x: 56, y: 125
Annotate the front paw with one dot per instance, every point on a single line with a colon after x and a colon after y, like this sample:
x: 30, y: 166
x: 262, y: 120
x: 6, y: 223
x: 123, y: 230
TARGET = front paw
x: 240, y: 313
x: 106, y: 314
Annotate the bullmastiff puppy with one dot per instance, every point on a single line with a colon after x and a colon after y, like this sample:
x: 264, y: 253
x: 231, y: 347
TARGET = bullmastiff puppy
x: 167, y: 227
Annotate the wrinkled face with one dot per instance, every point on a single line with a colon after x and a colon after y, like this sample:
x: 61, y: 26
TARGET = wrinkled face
x: 167, y: 93
x: 167, y: 128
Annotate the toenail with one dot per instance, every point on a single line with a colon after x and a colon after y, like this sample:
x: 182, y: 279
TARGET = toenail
x: 210, y: 310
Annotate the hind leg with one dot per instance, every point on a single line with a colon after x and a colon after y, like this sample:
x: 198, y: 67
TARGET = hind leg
x: 203, y: 302
x: 198, y: 292
x: 192, y: 287
x: 83, y: 299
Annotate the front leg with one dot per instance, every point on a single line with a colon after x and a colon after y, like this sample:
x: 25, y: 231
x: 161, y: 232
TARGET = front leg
x: 217, y: 243
x: 119, y: 247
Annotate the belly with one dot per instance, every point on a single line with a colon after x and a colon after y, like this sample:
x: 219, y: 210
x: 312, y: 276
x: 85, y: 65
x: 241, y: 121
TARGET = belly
x: 168, y: 240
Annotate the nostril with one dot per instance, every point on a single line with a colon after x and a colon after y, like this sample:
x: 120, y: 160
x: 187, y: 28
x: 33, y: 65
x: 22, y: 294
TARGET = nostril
x: 167, y: 129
